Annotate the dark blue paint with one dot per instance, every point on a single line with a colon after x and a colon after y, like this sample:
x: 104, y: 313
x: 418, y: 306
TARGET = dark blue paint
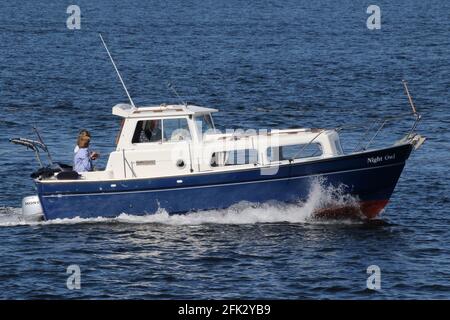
x: 221, y: 190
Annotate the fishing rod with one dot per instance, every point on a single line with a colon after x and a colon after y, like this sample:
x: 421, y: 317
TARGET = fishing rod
x: 43, y: 145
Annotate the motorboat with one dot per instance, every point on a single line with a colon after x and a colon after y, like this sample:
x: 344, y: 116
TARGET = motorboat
x: 172, y: 157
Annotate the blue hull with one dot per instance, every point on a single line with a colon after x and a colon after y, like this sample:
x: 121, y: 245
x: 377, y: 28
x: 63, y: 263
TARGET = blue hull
x: 371, y: 176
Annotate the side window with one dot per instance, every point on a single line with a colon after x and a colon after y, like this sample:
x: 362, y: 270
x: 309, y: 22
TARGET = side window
x: 296, y: 151
x: 147, y: 131
x: 235, y: 157
x: 176, y: 130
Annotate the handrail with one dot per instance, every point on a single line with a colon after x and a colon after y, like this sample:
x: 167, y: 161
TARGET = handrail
x: 29, y: 144
x: 376, y: 133
x: 365, y: 135
x: 372, y: 124
x: 125, y: 161
x: 305, y: 146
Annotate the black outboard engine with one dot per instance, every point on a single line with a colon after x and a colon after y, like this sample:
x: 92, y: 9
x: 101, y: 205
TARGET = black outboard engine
x: 61, y: 170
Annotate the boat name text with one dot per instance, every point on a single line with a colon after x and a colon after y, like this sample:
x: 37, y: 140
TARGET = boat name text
x: 375, y: 160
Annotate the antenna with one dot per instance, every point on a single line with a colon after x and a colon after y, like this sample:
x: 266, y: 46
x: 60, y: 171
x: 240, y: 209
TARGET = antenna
x: 171, y: 87
x: 118, y: 73
x: 416, y: 114
x: 405, y: 84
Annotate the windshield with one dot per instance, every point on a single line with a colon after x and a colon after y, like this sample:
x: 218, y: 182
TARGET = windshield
x: 120, y: 131
x: 204, y: 123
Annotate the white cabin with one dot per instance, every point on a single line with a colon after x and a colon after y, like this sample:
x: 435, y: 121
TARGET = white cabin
x: 175, y: 140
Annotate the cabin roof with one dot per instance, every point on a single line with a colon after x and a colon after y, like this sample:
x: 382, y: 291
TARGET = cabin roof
x: 127, y: 111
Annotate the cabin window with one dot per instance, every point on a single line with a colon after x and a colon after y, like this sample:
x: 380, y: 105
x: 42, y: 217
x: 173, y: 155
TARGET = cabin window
x: 234, y: 157
x: 204, y: 123
x: 176, y: 130
x: 295, y: 151
x: 147, y: 131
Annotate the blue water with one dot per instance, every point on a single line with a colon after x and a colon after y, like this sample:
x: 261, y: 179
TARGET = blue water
x: 264, y: 64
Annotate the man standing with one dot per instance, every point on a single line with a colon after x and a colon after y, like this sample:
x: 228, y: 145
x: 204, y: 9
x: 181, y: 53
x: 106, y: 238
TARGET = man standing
x: 82, y: 161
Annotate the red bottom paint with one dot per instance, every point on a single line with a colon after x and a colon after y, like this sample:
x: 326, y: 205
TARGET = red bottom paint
x: 372, y: 208
x: 365, y: 209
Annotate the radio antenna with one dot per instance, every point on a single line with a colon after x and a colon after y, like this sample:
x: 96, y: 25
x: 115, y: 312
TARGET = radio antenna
x: 118, y: 73
x: 171, y: 87
x: 413, y: 107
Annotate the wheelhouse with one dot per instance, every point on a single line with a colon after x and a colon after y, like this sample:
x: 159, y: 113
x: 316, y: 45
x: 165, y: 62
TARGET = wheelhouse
x: 174, y: 140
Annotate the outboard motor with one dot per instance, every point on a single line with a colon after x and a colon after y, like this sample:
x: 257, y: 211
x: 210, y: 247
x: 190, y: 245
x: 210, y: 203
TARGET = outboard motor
x: 31, y: 208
